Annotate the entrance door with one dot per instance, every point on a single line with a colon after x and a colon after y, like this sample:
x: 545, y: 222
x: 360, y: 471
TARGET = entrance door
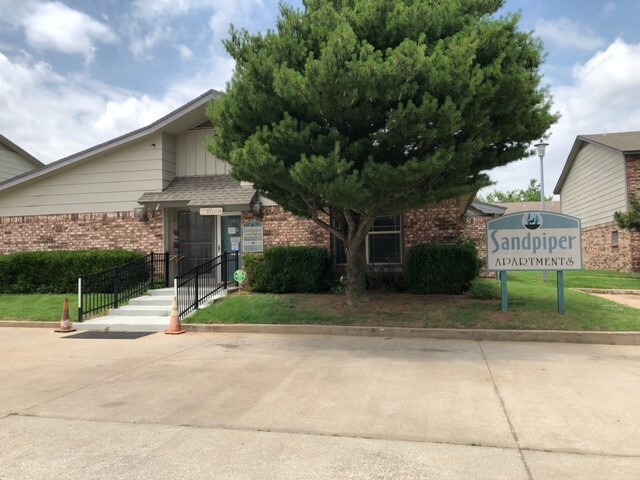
x: 196, y: 240
x: 231, y: 238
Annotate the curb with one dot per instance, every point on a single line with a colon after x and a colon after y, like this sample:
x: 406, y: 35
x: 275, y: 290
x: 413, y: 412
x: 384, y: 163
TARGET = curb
x: 551, y: 336
x: 28, y: 324
x: 609, y: 291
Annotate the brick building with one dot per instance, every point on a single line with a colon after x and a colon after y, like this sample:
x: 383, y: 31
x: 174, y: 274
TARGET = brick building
x: 601, y: 174
x: 159, y: 189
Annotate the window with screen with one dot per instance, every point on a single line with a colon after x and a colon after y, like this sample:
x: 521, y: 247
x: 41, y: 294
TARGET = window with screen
x: 384, y: 243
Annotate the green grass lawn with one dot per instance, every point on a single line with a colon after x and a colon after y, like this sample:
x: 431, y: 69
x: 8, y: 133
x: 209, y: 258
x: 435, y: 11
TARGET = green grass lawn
x: 532, y: 305
x: 37, y: 307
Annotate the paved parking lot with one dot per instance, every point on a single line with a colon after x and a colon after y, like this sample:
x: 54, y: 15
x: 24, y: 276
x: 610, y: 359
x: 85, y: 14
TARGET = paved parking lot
x: 227, y: 405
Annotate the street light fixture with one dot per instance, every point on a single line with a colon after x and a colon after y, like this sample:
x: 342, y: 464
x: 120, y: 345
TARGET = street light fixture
x: 540, y: 147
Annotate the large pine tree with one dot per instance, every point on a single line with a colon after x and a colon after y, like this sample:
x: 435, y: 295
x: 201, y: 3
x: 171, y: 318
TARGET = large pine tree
x: 354, y: 109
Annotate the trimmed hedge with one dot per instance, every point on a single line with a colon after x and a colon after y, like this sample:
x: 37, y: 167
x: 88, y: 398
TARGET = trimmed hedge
x: 56, y: 271
x: 288, y: 270
x: 442, y: 269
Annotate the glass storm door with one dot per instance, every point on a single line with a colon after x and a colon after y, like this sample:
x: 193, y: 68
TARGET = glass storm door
x: 196, y: 239
x: 231, y: 236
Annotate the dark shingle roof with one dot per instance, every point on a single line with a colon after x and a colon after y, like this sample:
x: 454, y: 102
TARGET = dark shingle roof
x: 626, y: 142
x: 203, y: 190
x: 488, y: 208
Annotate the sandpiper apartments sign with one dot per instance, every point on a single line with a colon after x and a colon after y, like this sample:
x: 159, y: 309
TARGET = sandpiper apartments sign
x: 534, y: 241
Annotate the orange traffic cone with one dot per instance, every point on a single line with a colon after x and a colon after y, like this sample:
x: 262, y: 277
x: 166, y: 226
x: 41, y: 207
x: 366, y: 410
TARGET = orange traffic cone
x: 65, y: 324
x: 174, y: 322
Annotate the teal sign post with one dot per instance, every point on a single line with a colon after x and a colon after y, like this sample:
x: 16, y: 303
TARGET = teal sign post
x: 534, y: 241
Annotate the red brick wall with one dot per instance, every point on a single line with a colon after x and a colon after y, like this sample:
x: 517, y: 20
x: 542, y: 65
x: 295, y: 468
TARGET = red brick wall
x: 599, y: 254
x: 81, y: 231
x: 436, y: 223
x: 440, y: 223
x: 282, y: 228
x: 633, y: 175
x: 475, y: 229
x: 633, y: 187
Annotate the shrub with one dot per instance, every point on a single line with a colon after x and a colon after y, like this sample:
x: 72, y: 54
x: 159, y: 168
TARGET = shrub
x: 289, y: 270
x: 253, y: 264
x: 57, y: 271
x: 387, y: 278
x: 443, y: 269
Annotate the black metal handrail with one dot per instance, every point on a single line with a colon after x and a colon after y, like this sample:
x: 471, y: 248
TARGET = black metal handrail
x: 100, y: 291
x: 204, y: 281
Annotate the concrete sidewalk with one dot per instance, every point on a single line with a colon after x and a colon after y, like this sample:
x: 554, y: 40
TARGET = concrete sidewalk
x: 237, y: 405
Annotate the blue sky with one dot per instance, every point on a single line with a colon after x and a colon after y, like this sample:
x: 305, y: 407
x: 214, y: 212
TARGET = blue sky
x: 76, y: 73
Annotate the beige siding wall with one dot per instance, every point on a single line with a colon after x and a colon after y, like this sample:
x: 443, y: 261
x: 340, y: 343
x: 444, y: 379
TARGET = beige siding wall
x: 193, y: 158
x: 169, y: 158
x: 596, y: 186
x: 12, y: 164
x: 112, y: 183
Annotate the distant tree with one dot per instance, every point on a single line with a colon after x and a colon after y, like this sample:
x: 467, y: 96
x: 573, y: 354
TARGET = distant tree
x: 354, y: 109
x: 530, y: 194
x: 629, y: 220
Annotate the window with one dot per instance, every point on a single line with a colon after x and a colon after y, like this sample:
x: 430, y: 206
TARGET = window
x: 614, y: 239
x: 384, y: 243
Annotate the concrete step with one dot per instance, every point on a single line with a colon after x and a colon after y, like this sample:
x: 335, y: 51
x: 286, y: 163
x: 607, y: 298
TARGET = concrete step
x: 142, y: 311
x: 169, y: 292
x: 121, y: 323
x: 149, y: 313
x: 154, y: 300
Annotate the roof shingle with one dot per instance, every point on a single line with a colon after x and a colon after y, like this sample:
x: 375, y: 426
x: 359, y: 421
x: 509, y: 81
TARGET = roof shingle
x: 625, y: 142
x: 203, y: 190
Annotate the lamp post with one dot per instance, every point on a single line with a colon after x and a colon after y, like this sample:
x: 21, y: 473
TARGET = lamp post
x: 540, y: 147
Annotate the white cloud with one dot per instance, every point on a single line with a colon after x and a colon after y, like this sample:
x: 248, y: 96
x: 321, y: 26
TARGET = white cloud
x: 185, y: 52
x: 54, y: 26
x: 171, y: 8
x: 13, y: 11
x: 568, y: 34
x: 127, y: 113
x: 141, y: 44
x: 601, y: 98
x: 230, y: 11
x: 52, y: 115
x: 150, y: 23
x: 149, y: 10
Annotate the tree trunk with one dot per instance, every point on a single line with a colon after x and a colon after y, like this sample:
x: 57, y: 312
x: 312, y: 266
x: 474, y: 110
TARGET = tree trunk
x: 355, y: 283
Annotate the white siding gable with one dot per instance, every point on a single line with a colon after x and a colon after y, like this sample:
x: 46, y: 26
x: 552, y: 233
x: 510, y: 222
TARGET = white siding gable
x: 109, y: 183
x: 595, y: 187
x: 193, y: 158
x: 12, y: 164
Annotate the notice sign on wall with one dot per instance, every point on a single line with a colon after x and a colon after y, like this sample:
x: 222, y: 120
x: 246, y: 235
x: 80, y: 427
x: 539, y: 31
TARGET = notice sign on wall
x: 252, y: 237
x: 534, y: 241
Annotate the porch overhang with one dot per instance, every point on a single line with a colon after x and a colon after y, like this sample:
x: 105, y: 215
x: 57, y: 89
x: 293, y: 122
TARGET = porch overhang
x: 202, y: 191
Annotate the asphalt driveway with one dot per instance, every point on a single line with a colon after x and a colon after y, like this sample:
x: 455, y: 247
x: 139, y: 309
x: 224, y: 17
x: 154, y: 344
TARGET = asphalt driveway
x: 228, y: 405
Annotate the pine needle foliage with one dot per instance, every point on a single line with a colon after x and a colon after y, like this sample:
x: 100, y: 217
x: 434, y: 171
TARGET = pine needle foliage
x: 353, y: 109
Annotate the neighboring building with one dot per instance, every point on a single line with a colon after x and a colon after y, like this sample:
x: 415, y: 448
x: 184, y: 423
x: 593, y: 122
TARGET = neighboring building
x: 476, y: 218
x: 14, y: 160
x: 601, y: 174
x: 517, y: 207
x: 159, y: 189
